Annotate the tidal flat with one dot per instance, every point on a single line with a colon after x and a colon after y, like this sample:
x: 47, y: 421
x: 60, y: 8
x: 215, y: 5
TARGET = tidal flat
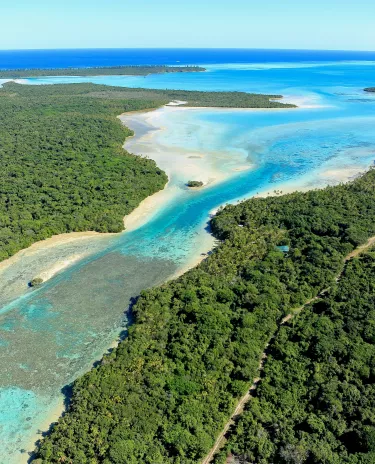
x: 52, y: 334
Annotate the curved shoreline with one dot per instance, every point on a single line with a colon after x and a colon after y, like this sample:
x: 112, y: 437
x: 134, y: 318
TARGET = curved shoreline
x: 50, y: 242
x: 144, y: 210
x: 132, y: 221
x: 139, y: 216
x: 194, y: 164
x: 142, y: 214
x: 135, y: 219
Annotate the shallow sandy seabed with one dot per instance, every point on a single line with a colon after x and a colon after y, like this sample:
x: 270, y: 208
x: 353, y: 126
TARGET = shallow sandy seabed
x: 178, y: 163
x: 325, y: 178
x: 45, y: 259
x: 181, y: 165
x: 57, y: 410
x: 319, y: 181
x: 304, y: 102
x: 51, y: 242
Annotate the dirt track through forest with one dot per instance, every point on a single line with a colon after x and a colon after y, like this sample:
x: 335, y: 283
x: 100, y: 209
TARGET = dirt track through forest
x: 219, y: 443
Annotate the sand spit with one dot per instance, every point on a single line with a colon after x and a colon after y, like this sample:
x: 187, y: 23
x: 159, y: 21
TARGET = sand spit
x: 303, y: 102
x: 179, y: 164
x: 51, y: 242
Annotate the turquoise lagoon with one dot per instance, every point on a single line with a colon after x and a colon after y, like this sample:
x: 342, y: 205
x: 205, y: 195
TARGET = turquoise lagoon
x: 51, y: 335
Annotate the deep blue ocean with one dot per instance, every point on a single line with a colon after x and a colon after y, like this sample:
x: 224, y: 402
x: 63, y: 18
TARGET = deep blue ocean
x: 51, y: 335
x: 23, y: 59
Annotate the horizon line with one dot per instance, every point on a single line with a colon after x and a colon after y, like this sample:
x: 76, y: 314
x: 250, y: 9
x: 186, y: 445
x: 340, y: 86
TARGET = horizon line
x: 187, y: 48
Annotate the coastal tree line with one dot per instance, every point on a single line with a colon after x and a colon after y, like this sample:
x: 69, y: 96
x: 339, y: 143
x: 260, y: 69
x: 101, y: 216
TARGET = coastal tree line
x: 316, y: 401
x: 97, y: 71
x: 165, y: 393
x: 63, y: 168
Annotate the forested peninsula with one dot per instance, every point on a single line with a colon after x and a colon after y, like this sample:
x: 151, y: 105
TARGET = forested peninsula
x: 62, y: 165
x: 316, y: 401
x: 97, y: 71
x: 194, y: 348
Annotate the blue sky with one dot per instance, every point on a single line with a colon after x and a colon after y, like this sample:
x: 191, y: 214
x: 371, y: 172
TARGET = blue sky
x: 312, y: 24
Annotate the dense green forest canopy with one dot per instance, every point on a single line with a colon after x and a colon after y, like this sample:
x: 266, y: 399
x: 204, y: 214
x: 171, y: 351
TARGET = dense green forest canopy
x: 97, y: 71
x: 136, y: 96
x: 62, y: 165
x: 165, y: 393
x: 316, y: 401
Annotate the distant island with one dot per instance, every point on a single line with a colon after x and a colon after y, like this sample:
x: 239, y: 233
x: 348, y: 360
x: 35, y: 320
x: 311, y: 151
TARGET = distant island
x: 98, y: 71
x: 369, y: 89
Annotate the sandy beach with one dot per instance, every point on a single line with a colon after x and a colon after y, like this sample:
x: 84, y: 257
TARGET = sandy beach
x: 303, y: 102
x: 185, y: 164
x: 56, y: 412
x: 51, y: 242
x: 321, y: 179
x: 59, y: 266
x: 44, y: 260
x: 147, y: 208
x: 179, y: 164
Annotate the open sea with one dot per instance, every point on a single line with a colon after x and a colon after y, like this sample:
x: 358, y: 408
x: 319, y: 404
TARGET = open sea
x: 51, y: 335
x: 24, y: 59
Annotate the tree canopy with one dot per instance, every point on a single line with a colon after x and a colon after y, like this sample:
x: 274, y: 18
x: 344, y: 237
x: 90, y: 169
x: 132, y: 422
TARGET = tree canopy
x: 62, y: 165
x: 316, y: 401
x: 97, y: 71
x: 165, y: 393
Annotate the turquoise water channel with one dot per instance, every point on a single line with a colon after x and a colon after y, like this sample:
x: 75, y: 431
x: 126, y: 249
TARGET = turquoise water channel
x: 51, y: 335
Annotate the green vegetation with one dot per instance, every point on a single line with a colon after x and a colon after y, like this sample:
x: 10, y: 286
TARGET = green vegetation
x: 154, y: 97
x: 228, y: 99
x: 63, y: 168
x: 194, y: 183
x: 165, y: 393
x: 97, y: 71
x: 316, y: 401
x: 36, y: 282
